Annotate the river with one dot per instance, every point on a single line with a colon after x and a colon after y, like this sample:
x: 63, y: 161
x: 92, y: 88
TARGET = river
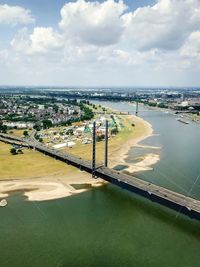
x: 179, y: 165
x: 109, y: 226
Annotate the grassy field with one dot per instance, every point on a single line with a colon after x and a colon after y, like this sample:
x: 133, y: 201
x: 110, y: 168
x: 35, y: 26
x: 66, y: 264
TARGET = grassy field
x: 18, y: 132
x: 31, y: 164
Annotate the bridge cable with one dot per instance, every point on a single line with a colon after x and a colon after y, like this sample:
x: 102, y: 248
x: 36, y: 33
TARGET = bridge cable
x: 188, y: 193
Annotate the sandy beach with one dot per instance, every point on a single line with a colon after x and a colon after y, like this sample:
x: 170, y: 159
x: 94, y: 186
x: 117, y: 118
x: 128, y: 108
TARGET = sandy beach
x: 48, y: 188
x: 119, y: 156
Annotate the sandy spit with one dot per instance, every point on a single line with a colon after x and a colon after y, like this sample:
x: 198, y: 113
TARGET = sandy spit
x: 48, y: 188
x: 121, y: 154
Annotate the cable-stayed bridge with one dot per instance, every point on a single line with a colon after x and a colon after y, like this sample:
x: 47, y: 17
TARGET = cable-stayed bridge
x: 179, y: 202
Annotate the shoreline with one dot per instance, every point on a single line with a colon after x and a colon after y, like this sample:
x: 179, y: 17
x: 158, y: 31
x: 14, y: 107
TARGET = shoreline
x: 49, y: 188
x: 121, y: 154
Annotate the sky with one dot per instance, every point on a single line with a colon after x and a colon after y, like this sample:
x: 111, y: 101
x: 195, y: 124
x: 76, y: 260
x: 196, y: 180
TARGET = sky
x: 105, y: 43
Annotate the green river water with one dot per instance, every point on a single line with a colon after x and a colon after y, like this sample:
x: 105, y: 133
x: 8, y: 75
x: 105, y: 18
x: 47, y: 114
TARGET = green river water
x: 103, y: 227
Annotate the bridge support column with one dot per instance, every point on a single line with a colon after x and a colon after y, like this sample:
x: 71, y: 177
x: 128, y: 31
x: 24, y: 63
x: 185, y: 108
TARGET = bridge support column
x: 136, y: 111
x: 106, y: 146
x: 94, y: 150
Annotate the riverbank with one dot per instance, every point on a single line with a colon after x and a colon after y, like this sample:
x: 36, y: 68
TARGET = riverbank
x: 48, y: 188
x: 142, y: 131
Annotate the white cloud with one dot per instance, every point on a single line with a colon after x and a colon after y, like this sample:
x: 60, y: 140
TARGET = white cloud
x: 21, y: 42
x: 93, y: 22
x: 191, y: 48
x: 164, y: 25
x: 107, y: 43
x: 14, y: 15
x: 41, y: 41
x: 4, y: 55
x: 44, y: 39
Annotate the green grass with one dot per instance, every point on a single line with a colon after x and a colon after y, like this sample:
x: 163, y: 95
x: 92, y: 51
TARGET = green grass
x: 31, y: 164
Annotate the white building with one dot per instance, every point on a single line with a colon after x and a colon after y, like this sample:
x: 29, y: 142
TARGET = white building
x: 19, y: 125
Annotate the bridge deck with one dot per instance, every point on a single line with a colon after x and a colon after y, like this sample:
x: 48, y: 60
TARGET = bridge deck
x: 124, y: 113
x: 13, y: 142
x: 162, y: 195
x: 162, y: 192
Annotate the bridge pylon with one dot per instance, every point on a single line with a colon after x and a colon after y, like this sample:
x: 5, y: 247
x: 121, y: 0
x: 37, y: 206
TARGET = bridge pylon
x: 106, y: 146
x: 136, y: 110
x: 94, y: 150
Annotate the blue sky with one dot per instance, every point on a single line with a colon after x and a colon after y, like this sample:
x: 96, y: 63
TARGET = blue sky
x: 101, y: 43
x: 48, y: 11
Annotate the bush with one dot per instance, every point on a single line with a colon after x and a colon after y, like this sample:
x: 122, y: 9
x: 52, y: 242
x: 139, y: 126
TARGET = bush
x: 114, y: 131
x: 3, y: 128
x: 162, y: 105
x: 100, y: 138
x: 47, y: 124
x: 13, y: 151
x: 25, y: 133
x: 37, y: 127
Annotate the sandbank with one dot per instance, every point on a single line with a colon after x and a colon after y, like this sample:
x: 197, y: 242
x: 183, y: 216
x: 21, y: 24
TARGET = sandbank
x: 49, y: 188
x: 119, y: 156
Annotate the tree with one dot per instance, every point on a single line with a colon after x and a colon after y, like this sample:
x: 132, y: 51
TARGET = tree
x: 3, y: 128
x: 55, y: 108
x: 20, y: 151
x: 47, y: 124
x: 25, y: 133
x: 114, y: 131
x: 36, y: 127
x: 70, y: 132
x: 13, y: 151
x: 162, y: 105
x: 100, y: 137
x: 37, y: 137
x: 151, y: 104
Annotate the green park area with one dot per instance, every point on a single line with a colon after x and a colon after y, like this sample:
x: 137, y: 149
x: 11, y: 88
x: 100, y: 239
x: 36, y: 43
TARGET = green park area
x: 29, y: 164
